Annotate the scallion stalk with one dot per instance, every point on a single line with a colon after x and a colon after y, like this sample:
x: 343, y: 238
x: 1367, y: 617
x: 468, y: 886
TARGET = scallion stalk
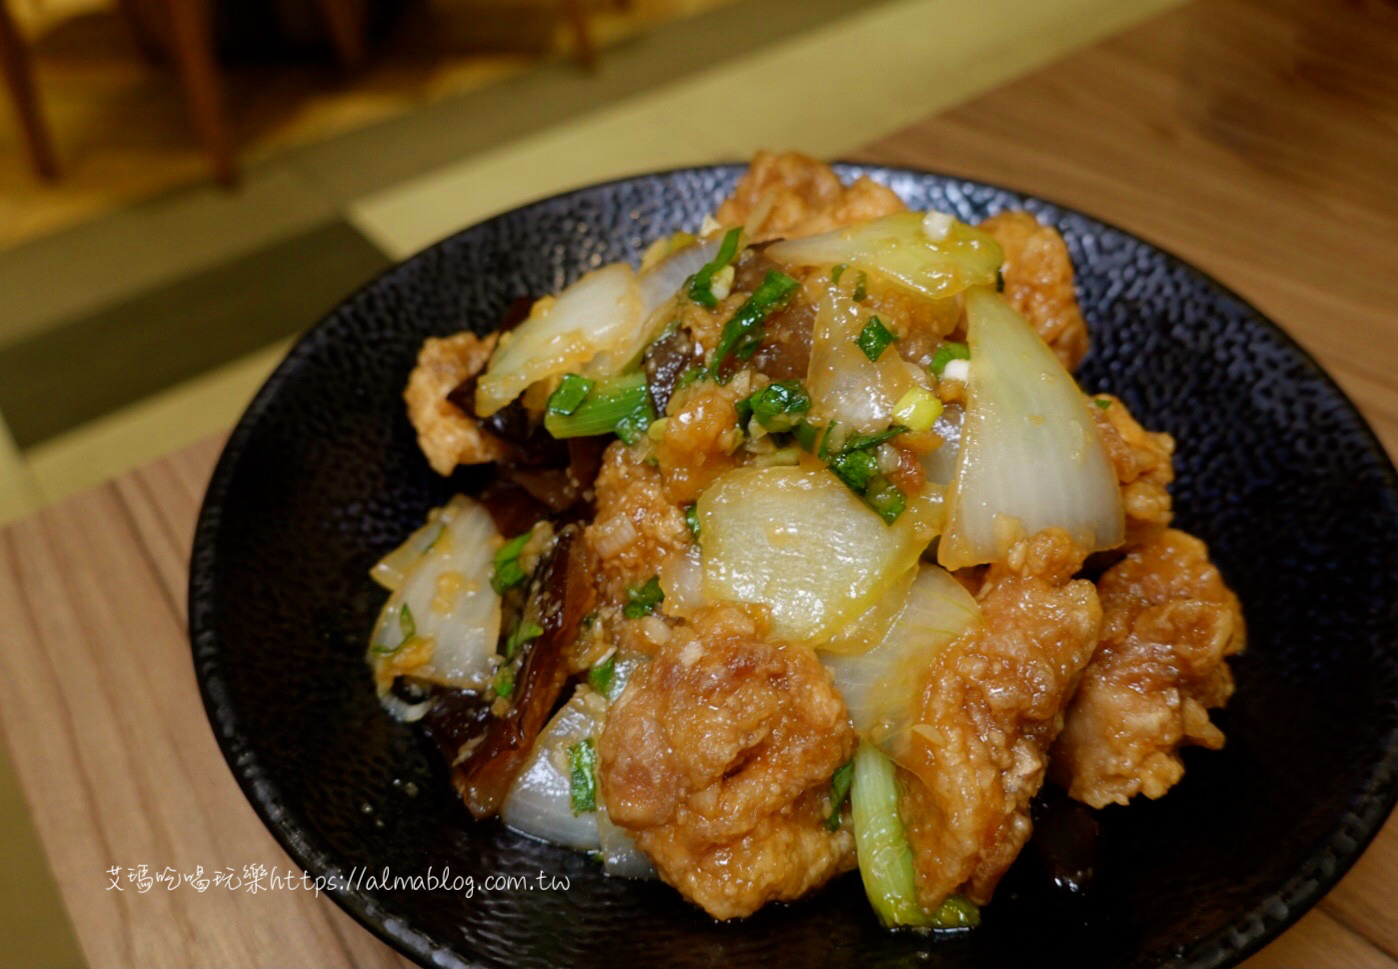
x: 885, y: 858
x: 620, y: 404
x: 742, y: 334
x: 701, y: 286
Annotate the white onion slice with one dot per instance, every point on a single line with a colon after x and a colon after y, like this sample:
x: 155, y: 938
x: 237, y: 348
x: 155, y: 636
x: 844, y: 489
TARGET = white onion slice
x: 881, y: 687
x: 404, y: 711
x: 663, y: 280
x: 939, y: 466
x: 450, y: 601
x: 800, y: 543
x: 390, y: 570
x: 844, y: 384
x: 540, y: 803
x: 592, y: 326
x: 1030, y: 456
x: 899, y: 248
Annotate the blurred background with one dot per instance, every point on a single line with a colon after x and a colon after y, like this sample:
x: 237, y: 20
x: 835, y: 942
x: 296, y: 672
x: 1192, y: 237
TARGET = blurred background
x: 187, y: 184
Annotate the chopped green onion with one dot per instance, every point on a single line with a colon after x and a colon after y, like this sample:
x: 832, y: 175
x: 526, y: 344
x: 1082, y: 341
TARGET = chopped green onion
x: 827, y: 445
x: 582, y: 771
x: 886, y: 498
x: 806, y: 435
x: 600, y: 676
x: 701, y: 286
x: 956, y: 912
x: 742, y: 334
x: 999, y: 281
x: 918, y: 409
x: 836, y: 272
x: 881, y: 842
x: 856, y: 468
x: 633, y: 425
x: 861, y: 287
x: 839, y: 790
x: 744, y: 410
x: 946, y: 353
x: 507, y: 573
x: 687, y: 378
x: 520, y: 635
x: 571, y: 391
x: 856, y: 463
x: 620, y: 406
x: 779, y: 406
x: 874, y: 338
x: 691, y: 518
x: 859, y: 441
x: 641, y: 600
x: 1102, y: 402
x: 504, y: 682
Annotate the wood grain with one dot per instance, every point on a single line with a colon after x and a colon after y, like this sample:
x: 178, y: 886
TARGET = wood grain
x: 1259, y: 140
x: 1256, y: 138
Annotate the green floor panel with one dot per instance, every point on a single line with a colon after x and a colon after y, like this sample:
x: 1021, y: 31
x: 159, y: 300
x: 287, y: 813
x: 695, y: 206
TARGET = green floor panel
x: 58, y: 379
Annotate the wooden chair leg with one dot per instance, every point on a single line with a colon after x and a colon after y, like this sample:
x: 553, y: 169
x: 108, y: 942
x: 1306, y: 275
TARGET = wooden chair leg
x: 344, y: 21
x: 582, y: 35
x: 19, y: 78
x: 192, y: 47
x: 145, y: 33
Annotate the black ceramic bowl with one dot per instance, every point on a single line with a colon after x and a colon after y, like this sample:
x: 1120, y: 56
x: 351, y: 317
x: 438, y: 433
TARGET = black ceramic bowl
x: 1276, y: 471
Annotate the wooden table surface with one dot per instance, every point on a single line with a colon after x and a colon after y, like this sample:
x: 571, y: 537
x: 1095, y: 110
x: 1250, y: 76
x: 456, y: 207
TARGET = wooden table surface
x: 1257, y: 138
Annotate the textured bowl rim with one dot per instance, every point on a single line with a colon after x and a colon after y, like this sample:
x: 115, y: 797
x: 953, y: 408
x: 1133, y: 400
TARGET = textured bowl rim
x: 1249, y: 930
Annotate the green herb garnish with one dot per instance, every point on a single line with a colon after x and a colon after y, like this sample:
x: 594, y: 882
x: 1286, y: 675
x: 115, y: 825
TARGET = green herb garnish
x: 504, y: 682
x: 778, y: 407
x: 957, y: 911
x: 1102, y: 402
x: 620, y: 406
x: 520, y: 635
x: 742, y: 334
x: 641, y: 600
x: 874, y: 338
x: 886, y: 498
x: 508, y: 573
x: 861, y: 287
x: 568, y: 396
x: 701, y: 285
x: 806, y: 435
x: 836, y: 272
x: 946, y: 353
x: 582, y: 771
x: 839, y: 791
x: 687, y: 378
x: 600, y: 676
x: 691, y: 518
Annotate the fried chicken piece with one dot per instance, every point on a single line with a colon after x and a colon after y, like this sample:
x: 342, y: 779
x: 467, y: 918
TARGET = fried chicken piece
x: 1168, y: 623
x: 1144, y: 466
x: 717, y: 758
x: 991, y: 707
x: 636, y: 527
x: 448, y: 435
x: 790, y: 195
x: 1038, y: 277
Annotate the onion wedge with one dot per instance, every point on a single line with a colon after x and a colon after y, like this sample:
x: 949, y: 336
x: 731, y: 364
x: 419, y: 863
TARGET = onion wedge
x: 881, y: 687
x: 1030, y: 457
x: 926, y: 253
x: 801, y: 544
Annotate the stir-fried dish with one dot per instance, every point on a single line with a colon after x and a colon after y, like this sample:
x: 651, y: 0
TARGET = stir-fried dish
x: 795, y: 549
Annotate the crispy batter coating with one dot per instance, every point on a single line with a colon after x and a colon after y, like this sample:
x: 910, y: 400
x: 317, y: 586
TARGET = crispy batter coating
x: 717, y: 758
x: 1039, y: 282
x: 448, y: 435
x: 636, y: 527
x: 991, y: 707
x: 701, y: 435
x: 794, y: 195
x: 1143, y: 463
x: 1168, y: 622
